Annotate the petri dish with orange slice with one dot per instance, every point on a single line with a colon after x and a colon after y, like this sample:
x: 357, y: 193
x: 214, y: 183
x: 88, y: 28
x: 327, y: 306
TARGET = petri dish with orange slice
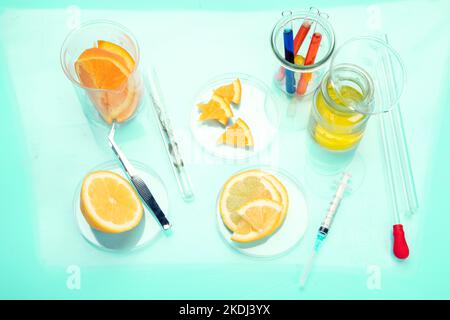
x: 109, y: 213
x: 262, y: 212
x: 234, y: 116
x: 101, y: 59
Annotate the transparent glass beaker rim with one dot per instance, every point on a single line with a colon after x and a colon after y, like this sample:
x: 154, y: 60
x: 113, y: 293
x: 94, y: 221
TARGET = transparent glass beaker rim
x: 299, y: 15
x: 392, y: 52
x: 88, y: 24
x: 368, y: 93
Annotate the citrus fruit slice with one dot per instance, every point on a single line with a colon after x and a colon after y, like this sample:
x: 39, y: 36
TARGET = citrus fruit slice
x: 109, y: 67
x: 120, y: 51
x: 283, y: 194
x: 237, y: 135
x: 100, y: 69
x: 130, y: 108
x: 217, y: 108
x: 117, y: 105
x: 241, y: 189
x: 230, y: 92
x: 109, y: 203
x: 259, y: 219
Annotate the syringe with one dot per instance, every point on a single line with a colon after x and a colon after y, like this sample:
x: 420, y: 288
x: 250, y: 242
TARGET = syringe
x: 326, y: 224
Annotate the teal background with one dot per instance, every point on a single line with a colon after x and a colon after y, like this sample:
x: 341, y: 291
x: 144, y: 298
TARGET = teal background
x: 27, y: 272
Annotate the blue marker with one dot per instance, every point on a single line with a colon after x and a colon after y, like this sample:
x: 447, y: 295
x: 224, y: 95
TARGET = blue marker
x: 289, y: 56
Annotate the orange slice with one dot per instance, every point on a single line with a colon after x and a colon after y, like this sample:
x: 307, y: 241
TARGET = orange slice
x: 100, y: 69
x: 120, y: 51
x: 241, y: 189
x: 109, y: 67
x: 217, y: 108
x: 237, y: 135
x: 230, y: 92
x: 129, y: 110
x: 259, y: 219
x: 117, y: 105
x: 109, y: 203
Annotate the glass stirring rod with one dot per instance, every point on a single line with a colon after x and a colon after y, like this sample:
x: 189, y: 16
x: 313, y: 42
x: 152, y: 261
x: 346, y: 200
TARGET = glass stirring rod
x: 167, y: 135
x: 326, y: 225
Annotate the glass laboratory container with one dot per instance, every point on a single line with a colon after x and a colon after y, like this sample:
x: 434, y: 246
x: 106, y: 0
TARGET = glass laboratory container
x: 366, y: 77
x: 104, y: 105
x: 292, y: 76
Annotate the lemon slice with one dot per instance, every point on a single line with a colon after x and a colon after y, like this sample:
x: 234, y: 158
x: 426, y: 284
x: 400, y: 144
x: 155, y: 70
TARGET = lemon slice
x: 109, y: 203
x: 283, y: 194
x: 241, y: 189
x: 259, y: 219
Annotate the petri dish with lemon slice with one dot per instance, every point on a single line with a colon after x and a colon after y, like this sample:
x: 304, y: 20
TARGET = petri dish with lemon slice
x: 262, y: 212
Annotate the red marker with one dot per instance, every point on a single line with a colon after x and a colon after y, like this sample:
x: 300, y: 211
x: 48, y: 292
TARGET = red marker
x: 310, y: 58
x: 301, y: 35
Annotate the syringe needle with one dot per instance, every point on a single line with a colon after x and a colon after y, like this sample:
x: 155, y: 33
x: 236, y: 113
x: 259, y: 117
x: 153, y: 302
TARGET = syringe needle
x: 307, y: 269
x: 325, y: 225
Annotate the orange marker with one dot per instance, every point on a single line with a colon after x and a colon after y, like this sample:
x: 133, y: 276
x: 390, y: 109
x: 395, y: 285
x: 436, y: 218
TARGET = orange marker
x: 310, y: 57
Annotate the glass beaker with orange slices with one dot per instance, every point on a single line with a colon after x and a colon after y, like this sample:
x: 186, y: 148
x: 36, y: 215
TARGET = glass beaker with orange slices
x: 101, y: 58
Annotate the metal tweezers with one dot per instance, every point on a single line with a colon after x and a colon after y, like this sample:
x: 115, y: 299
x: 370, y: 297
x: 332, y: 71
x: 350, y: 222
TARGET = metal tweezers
x: 138, y: 183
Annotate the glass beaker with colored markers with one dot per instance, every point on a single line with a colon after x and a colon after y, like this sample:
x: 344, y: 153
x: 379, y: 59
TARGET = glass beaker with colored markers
x: 366, y: 77
x: 303, y: 43
x: 101, y: 59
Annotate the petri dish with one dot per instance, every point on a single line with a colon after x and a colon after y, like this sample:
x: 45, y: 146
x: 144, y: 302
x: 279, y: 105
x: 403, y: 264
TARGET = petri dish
x: 145, y: 233
x: 290, y: 232
x: 323, y: 169
x: 258, y: 108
